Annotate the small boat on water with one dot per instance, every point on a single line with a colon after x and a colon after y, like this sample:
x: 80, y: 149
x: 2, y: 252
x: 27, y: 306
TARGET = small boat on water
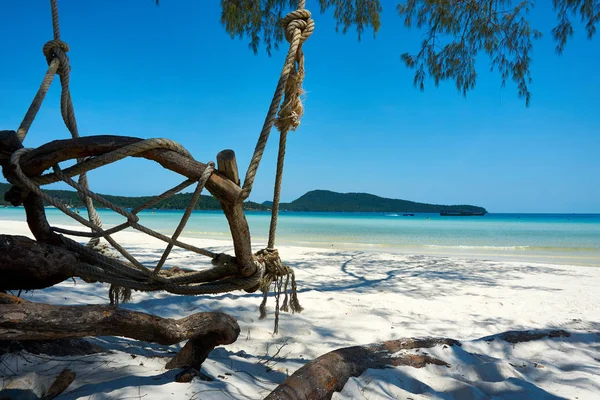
x: 461, y: 213
x: 409, y: 214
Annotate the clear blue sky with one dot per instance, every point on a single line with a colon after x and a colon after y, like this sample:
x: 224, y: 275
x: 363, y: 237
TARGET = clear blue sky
x: 172, y: 71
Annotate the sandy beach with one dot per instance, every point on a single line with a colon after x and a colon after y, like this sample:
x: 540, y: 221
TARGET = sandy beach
x: 350, y: 298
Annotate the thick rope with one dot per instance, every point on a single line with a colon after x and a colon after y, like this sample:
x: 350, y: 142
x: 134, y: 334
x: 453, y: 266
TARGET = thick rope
x: 277, y: 191
x: 296, y: 24
x: 58, y: 63
x: 37, y: 100
x: 300, y: 26
x: 275, y: 271
x: 224, y: 285
x: 55, y: 23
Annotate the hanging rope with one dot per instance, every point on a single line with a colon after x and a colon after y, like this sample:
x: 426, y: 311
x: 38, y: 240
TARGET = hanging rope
x: 290, y: 113
x: 298, y: 27
x: 58, y: 63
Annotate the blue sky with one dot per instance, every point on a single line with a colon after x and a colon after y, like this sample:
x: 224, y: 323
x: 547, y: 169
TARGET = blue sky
x: 172, y: 71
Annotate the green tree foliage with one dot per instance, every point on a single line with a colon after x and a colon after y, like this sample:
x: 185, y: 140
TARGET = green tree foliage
x: 456, y: 32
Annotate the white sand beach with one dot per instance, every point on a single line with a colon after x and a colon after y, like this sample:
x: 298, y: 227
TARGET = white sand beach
x: 352, y: 298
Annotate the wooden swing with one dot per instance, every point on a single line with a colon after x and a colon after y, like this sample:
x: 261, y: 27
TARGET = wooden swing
x: 53, y: 257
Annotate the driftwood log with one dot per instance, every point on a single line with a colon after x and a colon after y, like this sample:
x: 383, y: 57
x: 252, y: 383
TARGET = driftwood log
x: 27, y: 264
x: 24, y: 320
x: 327, y: 374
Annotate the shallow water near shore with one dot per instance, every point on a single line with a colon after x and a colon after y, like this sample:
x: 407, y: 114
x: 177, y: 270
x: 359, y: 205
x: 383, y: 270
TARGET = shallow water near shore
x: 550, y: 238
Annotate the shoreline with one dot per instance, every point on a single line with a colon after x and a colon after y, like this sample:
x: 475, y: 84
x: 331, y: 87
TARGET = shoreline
x: 540, y: 255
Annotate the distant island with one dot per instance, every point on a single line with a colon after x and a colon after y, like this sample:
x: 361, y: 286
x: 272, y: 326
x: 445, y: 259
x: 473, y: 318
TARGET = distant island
x: 326, y: 200
x: 315, y: 200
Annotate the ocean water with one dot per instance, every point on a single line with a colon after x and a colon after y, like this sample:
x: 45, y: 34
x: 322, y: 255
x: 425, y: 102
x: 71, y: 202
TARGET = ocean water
x: 553, y: 238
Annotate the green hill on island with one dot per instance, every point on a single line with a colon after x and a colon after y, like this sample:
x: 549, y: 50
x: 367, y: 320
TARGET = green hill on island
x: 177, y: 202
x: 325, y: 200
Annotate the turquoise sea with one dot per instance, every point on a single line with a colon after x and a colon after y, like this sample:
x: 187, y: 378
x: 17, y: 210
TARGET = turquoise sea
x: 553, y: 238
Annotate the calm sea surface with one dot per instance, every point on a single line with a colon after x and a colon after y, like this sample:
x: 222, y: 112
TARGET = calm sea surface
x: 556, y: 238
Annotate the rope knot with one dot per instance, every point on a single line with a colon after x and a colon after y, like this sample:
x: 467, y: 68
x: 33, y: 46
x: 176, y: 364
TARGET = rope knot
x: 301, y: 20
x: 56, y: 48
x: 275, y: 272
x: 298, y: 27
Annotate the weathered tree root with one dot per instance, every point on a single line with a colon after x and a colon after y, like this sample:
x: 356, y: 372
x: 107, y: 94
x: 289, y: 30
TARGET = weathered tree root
x: 320, y: 378
x: 23, y: 320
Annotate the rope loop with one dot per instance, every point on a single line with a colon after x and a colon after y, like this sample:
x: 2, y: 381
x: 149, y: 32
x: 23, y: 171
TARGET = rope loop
x: 301, y: 20
x: 56, y: 48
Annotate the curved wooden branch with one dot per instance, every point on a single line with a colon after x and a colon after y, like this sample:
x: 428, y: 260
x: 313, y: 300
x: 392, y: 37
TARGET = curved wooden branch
x: 36, y: 321
x: 45, y: 156
x: 38, y: 160
x: 320, y: 378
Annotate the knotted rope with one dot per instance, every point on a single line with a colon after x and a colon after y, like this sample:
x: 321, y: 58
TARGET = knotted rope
x: 301, y: 26
x: 298, y: 26
x: 275, y: 272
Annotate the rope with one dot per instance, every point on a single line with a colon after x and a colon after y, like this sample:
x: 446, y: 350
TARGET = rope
x: 299, y: 27
x: 37, y: 100
x: 277, y: 190
x: 58, y: 63
x: 275, y: 271
x: 153, y: 201
x: 55, y: 23
x: 195, y: 197
x: 224, y: 285
x: 57, y: 49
